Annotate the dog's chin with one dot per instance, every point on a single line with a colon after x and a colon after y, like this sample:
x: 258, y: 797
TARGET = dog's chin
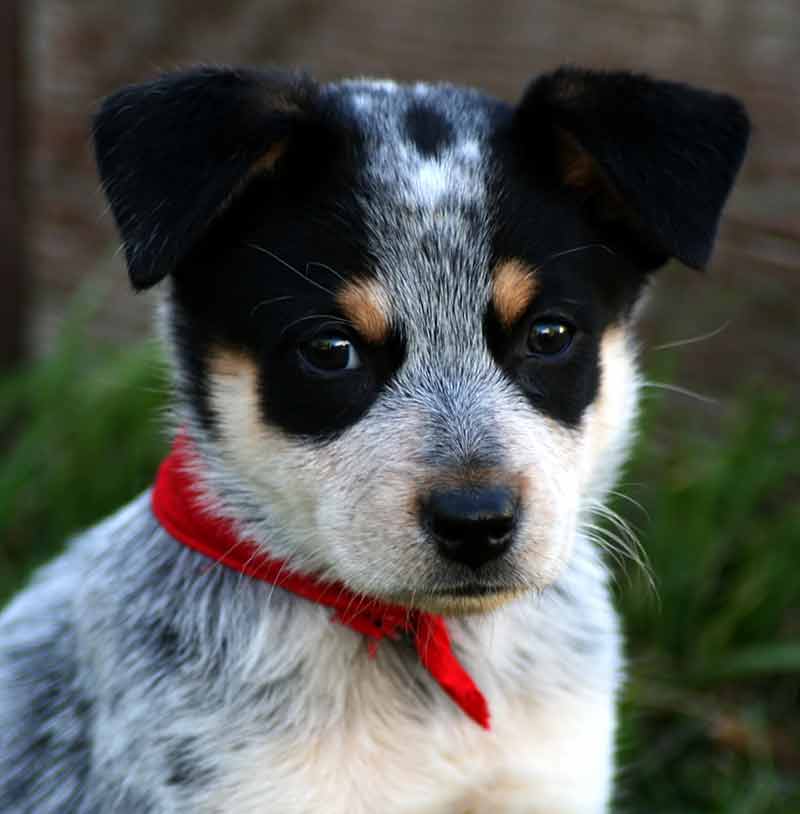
x: 466, y: 600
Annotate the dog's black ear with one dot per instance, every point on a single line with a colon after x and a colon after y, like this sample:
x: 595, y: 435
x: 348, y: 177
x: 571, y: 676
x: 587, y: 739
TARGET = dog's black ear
x: 653, y: 161
x: 173, y: 153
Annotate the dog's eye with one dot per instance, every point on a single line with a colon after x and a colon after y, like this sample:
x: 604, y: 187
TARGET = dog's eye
x: 550, y: 336
x: 330, y: 353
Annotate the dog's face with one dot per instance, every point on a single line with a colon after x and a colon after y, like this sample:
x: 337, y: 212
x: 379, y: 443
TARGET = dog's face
x: 401, y: 314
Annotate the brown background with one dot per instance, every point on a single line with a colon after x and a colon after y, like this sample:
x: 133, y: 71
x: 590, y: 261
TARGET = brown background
x: 76, y: 51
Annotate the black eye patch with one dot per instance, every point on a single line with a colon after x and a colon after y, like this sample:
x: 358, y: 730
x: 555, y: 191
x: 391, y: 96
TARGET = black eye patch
x: 268, y: 288
x: 309, y: 383
x: 552, y: 351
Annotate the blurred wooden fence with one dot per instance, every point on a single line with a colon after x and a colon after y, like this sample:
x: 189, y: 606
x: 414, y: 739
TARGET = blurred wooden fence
x: 13, y: 287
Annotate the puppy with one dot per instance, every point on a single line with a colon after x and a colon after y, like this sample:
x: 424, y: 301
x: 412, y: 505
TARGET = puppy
x: 399, y: 324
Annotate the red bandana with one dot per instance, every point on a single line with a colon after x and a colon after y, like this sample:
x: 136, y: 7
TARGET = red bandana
x: 174, y: 504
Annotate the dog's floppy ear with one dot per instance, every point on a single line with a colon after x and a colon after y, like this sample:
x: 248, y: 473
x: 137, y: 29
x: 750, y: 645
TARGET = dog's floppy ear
x: 174, y: 152
x: 653, y: 160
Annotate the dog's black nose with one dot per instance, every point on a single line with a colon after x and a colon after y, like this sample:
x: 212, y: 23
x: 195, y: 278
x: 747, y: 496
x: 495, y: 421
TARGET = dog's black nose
x: 472, y: 526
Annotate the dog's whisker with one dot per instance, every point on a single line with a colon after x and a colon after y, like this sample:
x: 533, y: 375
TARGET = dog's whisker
x: 265, y: 303
x: 633, y: 502
x: 680, y: 343
x: 254, y: 556
x: 574, y: 250
x: 362, y: 600
x: 289, y: 266
x: 276, y: 583
x: 682, y: 391
x: 618, y: 560
x: 328, y: 318
x: 219, y: 561
x: 325, y: 267
x: 620, y: 541
x: 625, y: 536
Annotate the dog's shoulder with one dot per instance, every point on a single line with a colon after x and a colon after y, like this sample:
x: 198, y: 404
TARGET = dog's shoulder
x: 43, y: 713
x: 48, y: 699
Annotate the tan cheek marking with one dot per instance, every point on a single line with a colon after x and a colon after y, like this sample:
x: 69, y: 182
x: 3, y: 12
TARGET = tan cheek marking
x: 616, y: 398
x: 235, y: 397
x: 366, y: 305
x: 513, y: 287
x: 226, y: 363
x: 613, y: 354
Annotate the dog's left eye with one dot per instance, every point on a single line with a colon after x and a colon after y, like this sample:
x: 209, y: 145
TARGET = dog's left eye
x: 330, y: 353
x: 550, y: 336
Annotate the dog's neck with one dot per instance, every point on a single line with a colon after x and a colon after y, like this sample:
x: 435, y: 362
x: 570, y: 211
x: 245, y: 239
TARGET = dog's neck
x: 494, y: 658
x: 174, y: 503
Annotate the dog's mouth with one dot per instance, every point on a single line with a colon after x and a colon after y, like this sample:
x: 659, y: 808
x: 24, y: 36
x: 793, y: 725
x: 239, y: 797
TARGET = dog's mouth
x: 470, y: 589
x: 463, y: 599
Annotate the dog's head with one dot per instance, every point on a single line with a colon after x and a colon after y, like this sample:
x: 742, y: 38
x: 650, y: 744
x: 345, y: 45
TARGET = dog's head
x: 400, y: 313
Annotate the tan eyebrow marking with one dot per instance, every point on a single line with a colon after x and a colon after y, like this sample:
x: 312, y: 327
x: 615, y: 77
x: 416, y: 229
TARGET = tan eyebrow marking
x: 365, y: 304
x: 514, y: 285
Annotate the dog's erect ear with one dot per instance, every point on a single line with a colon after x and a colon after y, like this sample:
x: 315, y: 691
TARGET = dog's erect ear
x: 654, y: 161
x: 173, y: 153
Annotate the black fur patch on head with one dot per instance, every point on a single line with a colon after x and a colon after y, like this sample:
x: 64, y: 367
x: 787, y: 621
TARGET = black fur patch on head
x: 580, y: 279
x: 243, y: 186
x: 655, y: 160
x: 292, y: 241
x: 428, y: 130
x: 252, y: 191
x: 599, y: 179
x: 174, y: 152
x: 576, y: 294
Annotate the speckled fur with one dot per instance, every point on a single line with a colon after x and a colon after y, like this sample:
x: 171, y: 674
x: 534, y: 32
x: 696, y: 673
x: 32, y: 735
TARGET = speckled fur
x: 136, y: 677
x: 226, y: 695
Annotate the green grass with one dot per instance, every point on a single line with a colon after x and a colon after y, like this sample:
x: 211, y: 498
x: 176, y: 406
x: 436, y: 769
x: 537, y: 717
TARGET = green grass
x: 79, y: 435
x: 711, y: 717
x: 712, y: 714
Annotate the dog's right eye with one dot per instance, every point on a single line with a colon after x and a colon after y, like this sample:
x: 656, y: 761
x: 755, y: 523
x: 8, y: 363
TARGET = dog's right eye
x: 330, y: 353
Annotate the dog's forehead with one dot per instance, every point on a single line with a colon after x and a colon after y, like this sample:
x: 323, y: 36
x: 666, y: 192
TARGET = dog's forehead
x: 425, y: 197
x: 384, y: 105
x: 425, y: 146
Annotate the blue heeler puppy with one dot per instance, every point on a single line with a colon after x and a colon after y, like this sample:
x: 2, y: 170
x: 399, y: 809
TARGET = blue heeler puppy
x: 399, y: 321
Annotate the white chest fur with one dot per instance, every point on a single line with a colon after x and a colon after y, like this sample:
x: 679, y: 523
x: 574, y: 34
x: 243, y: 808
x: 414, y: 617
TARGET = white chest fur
x: 551, y: 692
x: 536, y: 760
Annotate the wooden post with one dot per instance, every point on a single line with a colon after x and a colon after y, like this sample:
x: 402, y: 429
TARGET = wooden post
x: 13, y: 281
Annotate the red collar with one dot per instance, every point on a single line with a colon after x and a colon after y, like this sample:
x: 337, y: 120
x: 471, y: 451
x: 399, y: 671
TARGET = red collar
x: 174, y: 502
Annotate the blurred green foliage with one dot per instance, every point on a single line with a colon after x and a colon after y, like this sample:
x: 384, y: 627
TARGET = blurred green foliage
x: 712, y: 713
x: 80, y: 435
x: 711, y: 716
